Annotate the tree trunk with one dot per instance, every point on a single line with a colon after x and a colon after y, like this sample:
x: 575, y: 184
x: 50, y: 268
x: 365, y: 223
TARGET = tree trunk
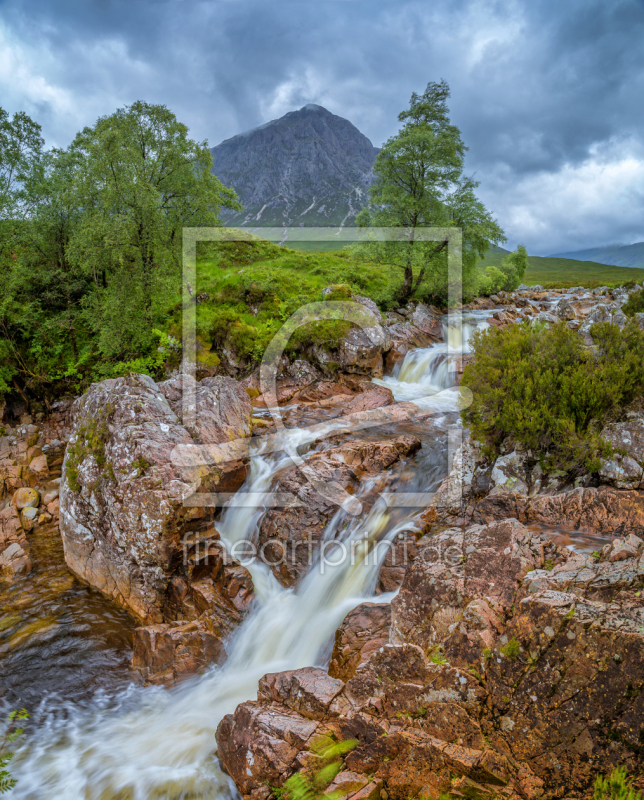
x: 407, y: 289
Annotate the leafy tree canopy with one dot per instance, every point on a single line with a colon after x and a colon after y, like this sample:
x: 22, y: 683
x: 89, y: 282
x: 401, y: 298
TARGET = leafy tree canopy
x: 97, y: 255
x: 420, y: 183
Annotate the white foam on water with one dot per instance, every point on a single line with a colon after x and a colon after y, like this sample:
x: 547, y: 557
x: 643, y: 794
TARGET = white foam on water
x: 427, y: 371
x: 159, y: 744
x: 155, y: 744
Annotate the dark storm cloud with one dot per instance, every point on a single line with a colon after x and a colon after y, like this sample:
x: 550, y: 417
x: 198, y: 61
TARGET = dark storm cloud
x: 548, y: 95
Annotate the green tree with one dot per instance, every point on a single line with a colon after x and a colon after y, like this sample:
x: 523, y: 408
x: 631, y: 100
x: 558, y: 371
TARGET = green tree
x: 40, y: 310
x: 143, y: 180
x: 420, y: 183
x: 507, y: 276
x: 20, y: 144
x: 91, y: 256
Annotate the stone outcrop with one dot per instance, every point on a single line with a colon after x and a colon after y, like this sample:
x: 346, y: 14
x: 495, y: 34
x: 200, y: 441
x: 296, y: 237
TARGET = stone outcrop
x: 423, y: 326
x: 14, y: 561
x: 30, y: 458
x: 163, y: 654
x: 512, y: 668
x: 514, y: 485
x: 364, y: 630
x: 288, y: 536
x: 624, y: 469
x: 121, y: 502
x: 360, y: 352
x: 601, y: 510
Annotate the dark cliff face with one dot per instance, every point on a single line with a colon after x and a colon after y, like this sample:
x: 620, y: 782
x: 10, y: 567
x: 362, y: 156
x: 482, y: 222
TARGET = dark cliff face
x: 309, y: 167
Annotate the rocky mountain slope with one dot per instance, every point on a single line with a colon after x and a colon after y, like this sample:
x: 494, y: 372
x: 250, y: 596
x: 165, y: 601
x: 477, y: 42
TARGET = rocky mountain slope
x: 309, y: 167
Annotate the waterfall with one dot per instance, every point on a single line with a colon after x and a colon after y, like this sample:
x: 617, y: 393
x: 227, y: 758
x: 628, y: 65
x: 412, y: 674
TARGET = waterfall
x: 158, y: 744
x: 429, y: 370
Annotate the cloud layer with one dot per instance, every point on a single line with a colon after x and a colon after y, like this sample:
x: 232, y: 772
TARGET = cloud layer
x: 548, y: 95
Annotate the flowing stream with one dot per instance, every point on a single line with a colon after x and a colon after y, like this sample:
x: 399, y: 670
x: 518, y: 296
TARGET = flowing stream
x: 155, y: 744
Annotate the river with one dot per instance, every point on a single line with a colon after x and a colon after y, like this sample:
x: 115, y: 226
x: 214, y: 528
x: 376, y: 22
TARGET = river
x: 96, y: 735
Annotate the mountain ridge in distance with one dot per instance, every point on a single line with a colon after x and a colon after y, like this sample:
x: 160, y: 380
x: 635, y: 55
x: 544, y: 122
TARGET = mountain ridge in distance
x: 308, y: 168
x: 617, y: 255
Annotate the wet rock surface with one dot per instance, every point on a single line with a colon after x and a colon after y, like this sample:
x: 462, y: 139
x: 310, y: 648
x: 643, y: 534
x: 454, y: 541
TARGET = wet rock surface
x: 56, y: 634
x: 510, y: 670
x: 122, y: 510
x: 364, y: 630
x: 288, y: 537
x: 505, y: 667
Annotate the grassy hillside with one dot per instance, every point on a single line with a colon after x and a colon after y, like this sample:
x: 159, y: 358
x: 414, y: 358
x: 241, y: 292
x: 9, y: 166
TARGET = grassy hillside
x: 252, y: 287
x: 564, y: 272
x: 550, y: 271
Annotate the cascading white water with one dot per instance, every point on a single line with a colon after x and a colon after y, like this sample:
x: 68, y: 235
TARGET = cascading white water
x: 154, y: 744
x: 429, y: 370
x: 159, y: 744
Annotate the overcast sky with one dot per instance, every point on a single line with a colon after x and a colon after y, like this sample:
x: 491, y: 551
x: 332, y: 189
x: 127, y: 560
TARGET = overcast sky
x: 549, y: 95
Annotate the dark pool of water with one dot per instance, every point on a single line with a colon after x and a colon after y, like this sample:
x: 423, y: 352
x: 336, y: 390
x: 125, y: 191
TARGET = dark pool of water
x: 58, y: 636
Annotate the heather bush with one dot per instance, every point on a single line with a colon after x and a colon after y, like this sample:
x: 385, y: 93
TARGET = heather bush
x: 543, y: 390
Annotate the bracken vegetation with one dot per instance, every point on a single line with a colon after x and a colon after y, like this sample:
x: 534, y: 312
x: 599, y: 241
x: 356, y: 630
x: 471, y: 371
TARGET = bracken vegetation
x: 616, y: 786
x: 11, y: 735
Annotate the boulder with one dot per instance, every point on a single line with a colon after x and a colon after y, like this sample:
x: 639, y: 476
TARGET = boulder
x: 391, y: 709
x: 165, y: 654
x: 14, y: 561
x: 122, y: 515
x: 10, y: 527
x: 371, y: 307
x: 360, y: 352
x: 25, y: 497
x: 38, y: 467
x: 510, y: 472
x: 624, y: 469
x: 448, y: 505
x: 512, y: 669
x: 260, y: 744
x: 404, y: 337
x: 564, y: 310
x: 483, y: 566
x: 309, y: 691
x: 364, y: 630
x: 203, y: 606
x: 223, y: 408
x: 427, y: 320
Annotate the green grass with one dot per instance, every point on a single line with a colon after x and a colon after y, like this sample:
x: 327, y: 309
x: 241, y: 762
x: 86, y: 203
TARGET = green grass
x: 255, y: 286
x: 565, y: 272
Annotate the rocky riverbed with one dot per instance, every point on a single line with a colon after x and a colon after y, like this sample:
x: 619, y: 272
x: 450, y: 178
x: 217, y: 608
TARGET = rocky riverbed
x: 494, y: 647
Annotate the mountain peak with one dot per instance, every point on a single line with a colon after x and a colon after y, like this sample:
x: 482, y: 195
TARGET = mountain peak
x: 309, y: 167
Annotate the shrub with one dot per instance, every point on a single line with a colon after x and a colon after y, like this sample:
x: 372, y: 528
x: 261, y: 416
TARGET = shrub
x: 634, y: 304
x: 507, y: 276
x: 542, y: 389
x: 617, y: 786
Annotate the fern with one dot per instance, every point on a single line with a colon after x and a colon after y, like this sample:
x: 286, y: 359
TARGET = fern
x: 303, y: 787
x: 11, y: 735
x: 617, y: 786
